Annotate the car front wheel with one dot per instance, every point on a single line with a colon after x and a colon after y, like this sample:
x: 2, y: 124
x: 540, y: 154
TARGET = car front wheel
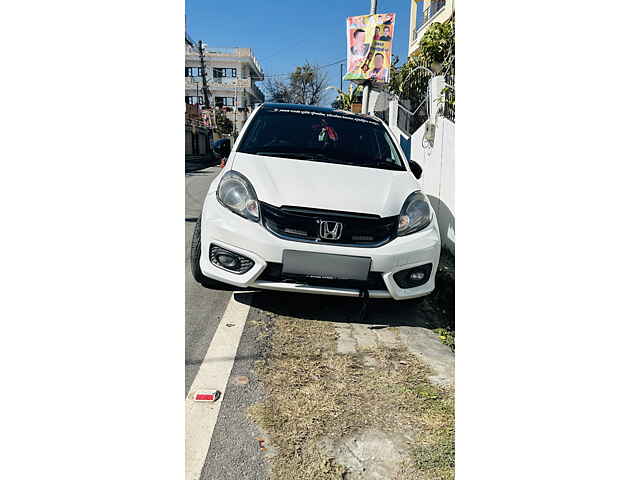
x: 195, y: 260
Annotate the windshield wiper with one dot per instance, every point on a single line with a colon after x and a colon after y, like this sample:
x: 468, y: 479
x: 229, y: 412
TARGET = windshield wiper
x: 321, y: 157
x: 300, y: 155
x: 384, y: 165
x: 303, y: 156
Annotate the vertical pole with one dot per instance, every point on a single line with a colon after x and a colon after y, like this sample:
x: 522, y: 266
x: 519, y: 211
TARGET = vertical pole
x: 235, y: 106
x: 341, y: 82
x: 365, y: 93
x: 203, y: 73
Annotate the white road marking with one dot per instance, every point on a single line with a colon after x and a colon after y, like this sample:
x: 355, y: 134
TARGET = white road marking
x: 201, y: 417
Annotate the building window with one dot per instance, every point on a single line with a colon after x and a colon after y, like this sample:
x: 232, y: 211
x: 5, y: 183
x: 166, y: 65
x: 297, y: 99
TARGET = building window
x: 435, y: 6
x: 193, y: 72
x: 224, y: 72
x: 194, y: 100
x: 225, y: 102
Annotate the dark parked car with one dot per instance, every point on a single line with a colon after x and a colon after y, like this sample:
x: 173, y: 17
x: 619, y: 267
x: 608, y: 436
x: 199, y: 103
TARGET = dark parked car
x: 221, y: 150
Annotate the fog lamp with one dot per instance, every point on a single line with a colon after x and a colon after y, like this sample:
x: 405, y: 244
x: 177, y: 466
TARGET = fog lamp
x: 416, y: 276
x: 227, y: 260
x: 413, y: 277
x: 230, y: 261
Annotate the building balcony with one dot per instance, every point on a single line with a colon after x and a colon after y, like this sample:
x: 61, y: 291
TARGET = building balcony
x: 424, y: 14
x: 232, y: 55
x: 224, y: 82
x: 242, y: 90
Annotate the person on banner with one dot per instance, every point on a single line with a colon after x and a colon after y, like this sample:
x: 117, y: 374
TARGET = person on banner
x: 387, y: 34
x: 379, y: 73
x: 359, y: 48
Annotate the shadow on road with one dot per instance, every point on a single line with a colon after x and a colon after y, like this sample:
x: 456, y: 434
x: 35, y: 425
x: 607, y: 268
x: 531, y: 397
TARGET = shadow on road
x: 381, y: 313
x: 191, y: 166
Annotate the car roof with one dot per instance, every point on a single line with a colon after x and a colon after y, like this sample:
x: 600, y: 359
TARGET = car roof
x: 316, y: 108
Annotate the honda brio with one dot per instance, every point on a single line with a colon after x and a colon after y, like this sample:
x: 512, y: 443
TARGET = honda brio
x: 317, y: 200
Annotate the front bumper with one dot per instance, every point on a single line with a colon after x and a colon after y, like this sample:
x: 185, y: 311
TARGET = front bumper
x: 232, y: 232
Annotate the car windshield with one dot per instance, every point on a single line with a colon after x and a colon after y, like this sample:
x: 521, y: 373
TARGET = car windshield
x: 330, y: 137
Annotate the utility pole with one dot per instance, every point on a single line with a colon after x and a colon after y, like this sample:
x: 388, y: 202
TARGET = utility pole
x: 235, y: 105
x: 367, y: 83
x: 341, y: 82
x: 203, y: 75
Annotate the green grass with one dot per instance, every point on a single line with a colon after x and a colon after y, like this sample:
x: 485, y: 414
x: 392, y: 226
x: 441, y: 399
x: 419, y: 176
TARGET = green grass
x: 448, y: 337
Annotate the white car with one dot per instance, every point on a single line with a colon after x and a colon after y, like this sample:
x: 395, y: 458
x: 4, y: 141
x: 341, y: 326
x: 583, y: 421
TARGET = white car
x: 317, y: 200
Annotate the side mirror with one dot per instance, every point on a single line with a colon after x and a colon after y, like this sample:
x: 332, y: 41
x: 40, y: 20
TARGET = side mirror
x: 415, y: 169
x: 222, y: 147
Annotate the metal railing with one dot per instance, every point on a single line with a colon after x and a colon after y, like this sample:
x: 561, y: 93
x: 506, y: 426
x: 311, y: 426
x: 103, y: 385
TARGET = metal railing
x: 414, y: 111
x: 223, y: 50
x: 236, y: 52
x: 421, y: 105
x: 227, y: 81
x: 410, y: 117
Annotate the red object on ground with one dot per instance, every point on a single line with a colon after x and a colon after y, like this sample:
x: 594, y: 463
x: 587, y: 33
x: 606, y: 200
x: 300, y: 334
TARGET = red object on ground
x: 222, y: 162
x: 207, y: 396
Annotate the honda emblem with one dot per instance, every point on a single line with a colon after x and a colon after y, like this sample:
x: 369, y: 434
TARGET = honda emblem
x: 330, y: 230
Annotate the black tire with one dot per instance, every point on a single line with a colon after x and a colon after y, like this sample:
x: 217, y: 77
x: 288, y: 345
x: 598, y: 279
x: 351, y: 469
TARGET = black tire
x: 195, y: 260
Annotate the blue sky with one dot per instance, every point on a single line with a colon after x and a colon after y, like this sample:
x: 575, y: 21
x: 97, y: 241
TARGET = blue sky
x: 285, y: 33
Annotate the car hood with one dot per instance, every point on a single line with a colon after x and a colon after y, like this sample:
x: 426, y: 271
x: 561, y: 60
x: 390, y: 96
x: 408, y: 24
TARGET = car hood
x: 303, y: 183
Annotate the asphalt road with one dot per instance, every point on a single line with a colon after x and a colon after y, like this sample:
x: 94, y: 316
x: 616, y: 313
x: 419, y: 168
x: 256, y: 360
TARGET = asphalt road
x: 234, y: 452
x: 204, y: 307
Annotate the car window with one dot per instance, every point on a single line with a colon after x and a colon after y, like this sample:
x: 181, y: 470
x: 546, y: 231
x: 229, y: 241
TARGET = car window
x: 321, y: 136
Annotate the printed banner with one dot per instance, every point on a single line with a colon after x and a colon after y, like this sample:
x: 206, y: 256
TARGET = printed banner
x: 369, y: 40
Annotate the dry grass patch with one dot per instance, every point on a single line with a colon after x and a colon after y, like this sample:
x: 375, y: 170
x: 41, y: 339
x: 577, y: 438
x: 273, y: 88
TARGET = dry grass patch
x: 314, y: 394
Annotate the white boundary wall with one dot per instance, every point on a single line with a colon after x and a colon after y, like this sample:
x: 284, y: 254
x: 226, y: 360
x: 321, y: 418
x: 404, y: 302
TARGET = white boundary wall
x: 438, y: 175
x: 437, y: 162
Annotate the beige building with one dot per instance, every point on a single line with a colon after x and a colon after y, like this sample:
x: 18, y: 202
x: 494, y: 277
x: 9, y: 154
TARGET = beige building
x: 425, y: 13
x: 231, y: 75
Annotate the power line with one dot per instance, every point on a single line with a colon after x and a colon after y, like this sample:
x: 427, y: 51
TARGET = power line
x: 289, y: 73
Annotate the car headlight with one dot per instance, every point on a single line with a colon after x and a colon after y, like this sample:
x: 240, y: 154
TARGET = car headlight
x: 237, y: 194
x: 415, y: 214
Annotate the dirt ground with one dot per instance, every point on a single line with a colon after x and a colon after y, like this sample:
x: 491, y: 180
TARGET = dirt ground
x: 357, y: 400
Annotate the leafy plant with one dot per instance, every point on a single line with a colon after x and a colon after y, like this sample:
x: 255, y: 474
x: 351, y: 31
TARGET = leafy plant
x: 436, y: 53
x: 345, y: 100
x: 223, y: 124
x: 438, y: 44
x: 448, y: 337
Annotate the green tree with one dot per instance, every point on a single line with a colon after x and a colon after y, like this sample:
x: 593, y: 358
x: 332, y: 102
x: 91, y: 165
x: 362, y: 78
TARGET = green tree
x: 277, y: 91
x: 305, y: 85
x: 434, y: 56
x: 437, y: 53
x: 223, y: 124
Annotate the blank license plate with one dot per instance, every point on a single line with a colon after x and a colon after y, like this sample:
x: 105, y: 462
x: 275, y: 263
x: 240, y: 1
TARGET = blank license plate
x: 325, y: 265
